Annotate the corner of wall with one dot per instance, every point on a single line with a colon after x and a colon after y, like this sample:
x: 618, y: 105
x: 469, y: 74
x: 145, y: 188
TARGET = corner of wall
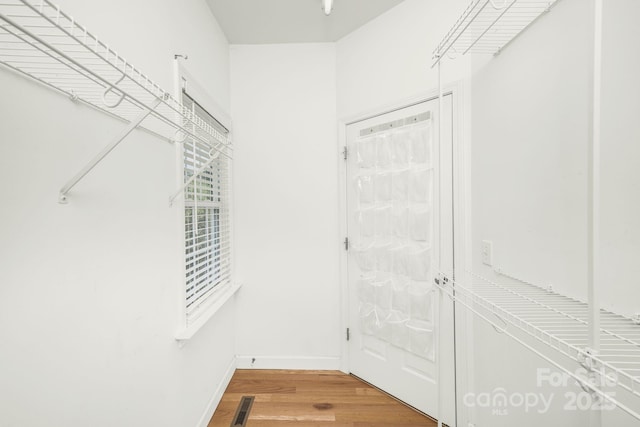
x: 217, y: 395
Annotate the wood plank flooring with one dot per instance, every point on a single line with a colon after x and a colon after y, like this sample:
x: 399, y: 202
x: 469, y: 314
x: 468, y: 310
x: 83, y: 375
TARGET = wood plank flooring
x: 312, y: 398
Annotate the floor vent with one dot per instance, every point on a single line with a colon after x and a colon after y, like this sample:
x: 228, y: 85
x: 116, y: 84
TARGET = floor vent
x: 242, y: 414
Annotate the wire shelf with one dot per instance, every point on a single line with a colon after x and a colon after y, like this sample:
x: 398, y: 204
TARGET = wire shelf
x: 488, y: 26
x: 42, y: 42
x: 558, y: 322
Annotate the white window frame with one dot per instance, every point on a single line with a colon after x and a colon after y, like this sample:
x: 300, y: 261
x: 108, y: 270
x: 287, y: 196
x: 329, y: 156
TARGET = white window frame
x: 191, y: 322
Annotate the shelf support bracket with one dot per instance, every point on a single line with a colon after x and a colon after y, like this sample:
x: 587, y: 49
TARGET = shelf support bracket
x: 193, y: 177
x: 62, y: 198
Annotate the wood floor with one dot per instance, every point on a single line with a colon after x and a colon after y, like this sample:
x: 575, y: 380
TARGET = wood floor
x: 312, y: 398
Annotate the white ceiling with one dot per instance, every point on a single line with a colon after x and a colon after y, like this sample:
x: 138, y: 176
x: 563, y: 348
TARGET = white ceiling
x: 293, y: 21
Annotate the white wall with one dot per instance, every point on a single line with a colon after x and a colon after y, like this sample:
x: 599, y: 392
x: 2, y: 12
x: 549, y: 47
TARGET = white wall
x: 89, y: 295
x: 389, y: 60
x: 530, y: 129
x: 285, y: 177
x: 529, y: 155
x: 620, y: 173
x: 621, y: 156
x: 284, y: 110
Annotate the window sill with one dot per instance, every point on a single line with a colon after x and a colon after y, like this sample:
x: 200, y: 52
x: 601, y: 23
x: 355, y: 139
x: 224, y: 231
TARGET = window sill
x: 187, y: 333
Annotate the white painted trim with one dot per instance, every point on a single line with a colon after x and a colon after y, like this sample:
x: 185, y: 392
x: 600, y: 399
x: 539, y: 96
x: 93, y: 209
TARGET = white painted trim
x: 219, y: 297
x: 217, y: 395
x: 463, y: 243
x: 181, y: 291
x: 194, y: 87
x: 344, y: 259
x: 232, y: 223
x: 289, y: 362
x: 218, y: 301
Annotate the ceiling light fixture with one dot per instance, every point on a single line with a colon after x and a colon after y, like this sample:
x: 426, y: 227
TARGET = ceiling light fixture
x: 327, y: 5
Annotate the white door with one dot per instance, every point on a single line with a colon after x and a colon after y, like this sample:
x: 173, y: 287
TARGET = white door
x: 397, y: 233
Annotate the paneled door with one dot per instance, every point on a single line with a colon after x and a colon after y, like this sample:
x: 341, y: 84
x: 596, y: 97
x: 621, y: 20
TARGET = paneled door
x: 400, y: 232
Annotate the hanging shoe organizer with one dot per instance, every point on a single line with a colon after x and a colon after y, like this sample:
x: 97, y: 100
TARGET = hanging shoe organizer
x: 42, y: 42
x: 394, y: 229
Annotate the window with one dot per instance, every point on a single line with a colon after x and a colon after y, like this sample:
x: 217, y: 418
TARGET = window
x: 206, y: 216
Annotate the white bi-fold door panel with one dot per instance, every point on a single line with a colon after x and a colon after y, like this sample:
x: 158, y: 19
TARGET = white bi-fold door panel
x: 395, y: 231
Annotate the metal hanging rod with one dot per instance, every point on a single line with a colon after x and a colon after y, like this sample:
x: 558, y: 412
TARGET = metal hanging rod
x: 488, y: 26
x: 42, y: 42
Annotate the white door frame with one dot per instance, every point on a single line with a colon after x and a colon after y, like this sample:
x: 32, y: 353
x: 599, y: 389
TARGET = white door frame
x: 461, y: 220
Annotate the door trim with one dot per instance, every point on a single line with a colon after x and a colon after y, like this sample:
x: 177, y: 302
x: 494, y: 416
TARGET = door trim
x: 461, y: 219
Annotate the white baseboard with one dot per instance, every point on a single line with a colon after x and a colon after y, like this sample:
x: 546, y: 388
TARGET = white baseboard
x: 217, y: 395
x: 290, y: 362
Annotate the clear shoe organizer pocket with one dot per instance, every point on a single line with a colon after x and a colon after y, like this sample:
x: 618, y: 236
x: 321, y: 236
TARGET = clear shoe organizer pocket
x: 421, y: 338
x: 394, y: 232
x: 364, y: 189
x: 399, y: 312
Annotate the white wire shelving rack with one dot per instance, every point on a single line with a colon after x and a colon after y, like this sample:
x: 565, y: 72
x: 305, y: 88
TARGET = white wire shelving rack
x: 537, y: 317
x: 488, y: 26
x: 40, y: 41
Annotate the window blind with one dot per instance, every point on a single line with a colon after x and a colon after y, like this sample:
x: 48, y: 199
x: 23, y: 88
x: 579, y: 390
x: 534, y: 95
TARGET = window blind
x: 206, y: 214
